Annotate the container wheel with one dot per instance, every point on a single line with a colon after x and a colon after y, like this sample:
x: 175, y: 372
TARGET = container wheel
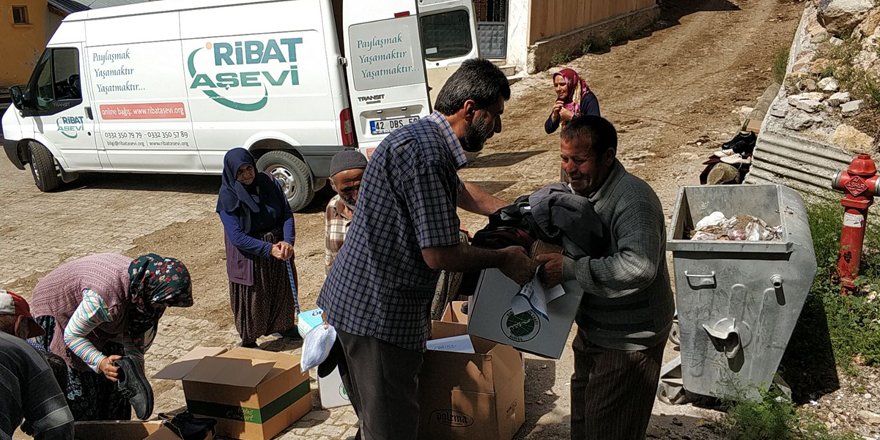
x: 671, y: 394
x: 293, y: 174
x: 675, y: 333
x: 43, y: 168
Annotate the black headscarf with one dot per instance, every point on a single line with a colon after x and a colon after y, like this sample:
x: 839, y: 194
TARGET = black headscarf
x: 261, y: 201
x: 232, y: 192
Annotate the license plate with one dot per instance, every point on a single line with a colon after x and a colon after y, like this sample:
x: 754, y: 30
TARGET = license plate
x: 385, y: 126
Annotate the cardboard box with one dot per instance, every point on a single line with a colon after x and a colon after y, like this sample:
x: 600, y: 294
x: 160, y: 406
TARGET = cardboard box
x: 453, y: 313
x: 253, y: 394
x: 471, y: 396
x: 122, y: 430
x: 490, y: 316
x: 332, y: 391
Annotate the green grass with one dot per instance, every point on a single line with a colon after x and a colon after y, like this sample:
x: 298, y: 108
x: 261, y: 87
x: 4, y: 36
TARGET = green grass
x: 854, y: 320
x: 861, y: 84
x: 780, y: 63
x: 774, y: 417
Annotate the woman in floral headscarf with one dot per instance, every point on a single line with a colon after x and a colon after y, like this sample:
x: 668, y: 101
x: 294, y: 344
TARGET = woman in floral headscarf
x: 99, y: 309
x: 573, y: 98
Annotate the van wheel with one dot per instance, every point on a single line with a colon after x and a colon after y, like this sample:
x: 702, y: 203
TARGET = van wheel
x: 43, y: 168
x: 293, y: 174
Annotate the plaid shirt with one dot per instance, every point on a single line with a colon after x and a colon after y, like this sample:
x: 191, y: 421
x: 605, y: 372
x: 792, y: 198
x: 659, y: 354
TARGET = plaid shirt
x: 337, y: 219
x: 379, y: 285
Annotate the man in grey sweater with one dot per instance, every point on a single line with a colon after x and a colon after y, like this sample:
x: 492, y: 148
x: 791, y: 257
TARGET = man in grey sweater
x: 626, y: 312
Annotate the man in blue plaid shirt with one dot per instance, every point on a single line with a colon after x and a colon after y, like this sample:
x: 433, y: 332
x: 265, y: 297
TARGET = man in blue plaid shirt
x: 379, y: 290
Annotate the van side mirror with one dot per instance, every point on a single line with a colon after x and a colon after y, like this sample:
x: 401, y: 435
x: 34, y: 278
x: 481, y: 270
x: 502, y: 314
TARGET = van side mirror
x: 17, y: 97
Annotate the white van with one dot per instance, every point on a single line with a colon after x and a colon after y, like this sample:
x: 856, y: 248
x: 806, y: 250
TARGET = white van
x: 170, y: 86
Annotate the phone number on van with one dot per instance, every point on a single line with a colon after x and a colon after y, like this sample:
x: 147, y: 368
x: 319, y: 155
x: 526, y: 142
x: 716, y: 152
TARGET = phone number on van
x: 148, y: 135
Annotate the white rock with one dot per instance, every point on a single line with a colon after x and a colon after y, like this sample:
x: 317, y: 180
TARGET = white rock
x: 851, y: 139
x: 808, y: 105
x: 814, y: 96
x: 798, y: 120
x: 835, y: 41
x: 851, y: 107
x: 870, y: 417
x: 837, y: 99
x: 828, y: 84
x: 840, y: 17
x: 779, y: 111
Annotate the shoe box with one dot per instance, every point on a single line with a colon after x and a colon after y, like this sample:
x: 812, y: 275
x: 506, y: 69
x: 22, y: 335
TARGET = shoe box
x: 253, y: 394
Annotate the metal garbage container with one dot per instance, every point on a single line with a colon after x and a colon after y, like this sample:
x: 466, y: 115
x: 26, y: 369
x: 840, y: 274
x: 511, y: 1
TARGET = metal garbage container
x: 738, y: 301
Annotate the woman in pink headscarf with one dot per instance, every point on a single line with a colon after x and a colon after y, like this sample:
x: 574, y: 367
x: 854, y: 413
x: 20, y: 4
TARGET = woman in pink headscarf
x: 573, y: 98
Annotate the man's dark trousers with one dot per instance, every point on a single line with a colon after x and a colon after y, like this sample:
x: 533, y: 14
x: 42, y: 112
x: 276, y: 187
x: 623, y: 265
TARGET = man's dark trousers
x: 612, y: 391
x: 383, y: 383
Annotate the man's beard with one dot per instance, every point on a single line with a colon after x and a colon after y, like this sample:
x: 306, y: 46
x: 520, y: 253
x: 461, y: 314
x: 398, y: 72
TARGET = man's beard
x: 476, y: 136
x: 348, y: 202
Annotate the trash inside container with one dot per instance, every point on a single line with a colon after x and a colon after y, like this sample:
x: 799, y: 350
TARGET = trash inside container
x: 738, y: 301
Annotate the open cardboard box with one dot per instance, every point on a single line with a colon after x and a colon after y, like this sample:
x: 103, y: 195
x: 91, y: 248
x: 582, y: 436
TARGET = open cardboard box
x: 253, y: 394
x: 123, y: 430
x: 468, y: 396
x: 492, y: 318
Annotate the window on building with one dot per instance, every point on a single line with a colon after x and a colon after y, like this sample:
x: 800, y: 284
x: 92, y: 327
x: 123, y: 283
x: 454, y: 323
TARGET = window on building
x: 20, y: 15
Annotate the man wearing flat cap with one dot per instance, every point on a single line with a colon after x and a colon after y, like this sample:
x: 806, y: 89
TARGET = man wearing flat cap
x: 346, y: 170
x: 28, y: 389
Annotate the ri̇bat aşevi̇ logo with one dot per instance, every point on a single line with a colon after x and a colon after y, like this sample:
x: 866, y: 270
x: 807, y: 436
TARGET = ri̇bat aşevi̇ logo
x: 243, y: 65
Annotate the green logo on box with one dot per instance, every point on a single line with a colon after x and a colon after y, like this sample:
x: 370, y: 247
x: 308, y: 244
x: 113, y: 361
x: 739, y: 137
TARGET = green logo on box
x: 522, y: 327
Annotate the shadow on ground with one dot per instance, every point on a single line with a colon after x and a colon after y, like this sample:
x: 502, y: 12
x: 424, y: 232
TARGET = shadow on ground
x: 195, y: 184
x: 494, y: 187
x: 503, y: 159
x: 540, y: 398
x: 671, y: 12
x: 808, y: 365
x: 680, y: 427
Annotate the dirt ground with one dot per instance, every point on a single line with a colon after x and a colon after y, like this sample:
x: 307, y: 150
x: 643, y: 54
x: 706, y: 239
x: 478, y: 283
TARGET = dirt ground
x: 671, y: 92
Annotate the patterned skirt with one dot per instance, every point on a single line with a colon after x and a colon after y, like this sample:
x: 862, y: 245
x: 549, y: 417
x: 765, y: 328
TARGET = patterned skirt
x: 90, y: 395
x: 267, y: 306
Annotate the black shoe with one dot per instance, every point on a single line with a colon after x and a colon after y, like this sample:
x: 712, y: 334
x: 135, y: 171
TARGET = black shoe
x: 292, y: 333
x: 248, y: 344
x: 135, y: 387
x: 742, y: 143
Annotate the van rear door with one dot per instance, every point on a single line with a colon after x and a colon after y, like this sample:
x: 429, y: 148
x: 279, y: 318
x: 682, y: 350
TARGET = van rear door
x: 385, y: 69
x: 449, y: 36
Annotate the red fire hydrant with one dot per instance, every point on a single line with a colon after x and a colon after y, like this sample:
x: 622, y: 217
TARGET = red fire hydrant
x: 860, y: 184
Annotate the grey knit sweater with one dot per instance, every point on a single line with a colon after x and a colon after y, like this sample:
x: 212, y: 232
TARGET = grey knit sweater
x: 628, y: 302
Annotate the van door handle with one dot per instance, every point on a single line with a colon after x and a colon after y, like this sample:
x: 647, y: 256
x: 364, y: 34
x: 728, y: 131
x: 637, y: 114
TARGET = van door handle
x: 89, y: 113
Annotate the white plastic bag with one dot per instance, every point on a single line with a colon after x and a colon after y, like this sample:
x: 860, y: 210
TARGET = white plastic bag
x: 713, y: 219
x: 316, y: 346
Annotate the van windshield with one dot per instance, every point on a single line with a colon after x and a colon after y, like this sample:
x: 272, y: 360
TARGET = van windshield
x: 446, y: 35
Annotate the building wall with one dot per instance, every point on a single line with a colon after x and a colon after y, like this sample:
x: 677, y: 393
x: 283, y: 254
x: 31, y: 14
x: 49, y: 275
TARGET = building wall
x: 21, y: 45
x: 551, y: 18
x: 518, y: 33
